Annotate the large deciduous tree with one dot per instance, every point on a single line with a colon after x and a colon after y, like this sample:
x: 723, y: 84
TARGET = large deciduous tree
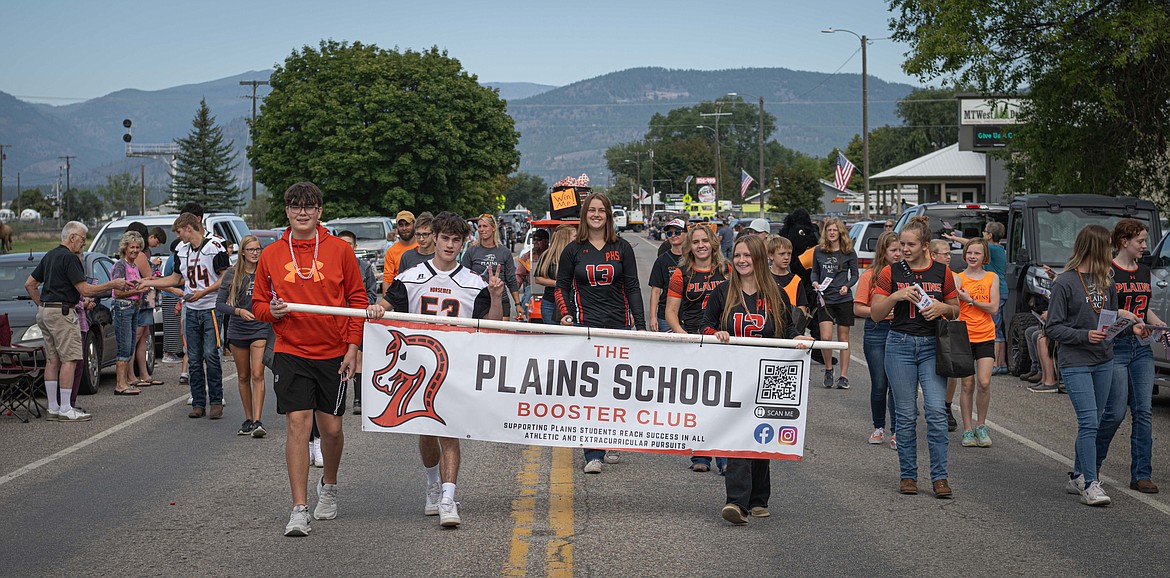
x: 204, y: 169
x: 382, y: 130
x: 528, y: 190
x: 1095, y: 72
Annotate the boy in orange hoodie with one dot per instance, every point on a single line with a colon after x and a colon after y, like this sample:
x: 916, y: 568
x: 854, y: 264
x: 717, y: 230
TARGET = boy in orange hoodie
x: 315, y: 355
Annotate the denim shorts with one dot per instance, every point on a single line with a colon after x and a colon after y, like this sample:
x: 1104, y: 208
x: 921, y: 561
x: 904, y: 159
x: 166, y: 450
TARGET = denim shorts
x: 998, y: 319
x: 146, y: 317
x: 125, y: 319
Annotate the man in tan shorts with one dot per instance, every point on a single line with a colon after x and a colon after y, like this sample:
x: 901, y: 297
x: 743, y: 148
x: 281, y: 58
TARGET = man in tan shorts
x: 63, y: 282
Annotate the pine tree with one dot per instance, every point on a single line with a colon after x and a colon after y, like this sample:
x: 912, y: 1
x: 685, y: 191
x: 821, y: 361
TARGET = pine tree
x: 205, y: 165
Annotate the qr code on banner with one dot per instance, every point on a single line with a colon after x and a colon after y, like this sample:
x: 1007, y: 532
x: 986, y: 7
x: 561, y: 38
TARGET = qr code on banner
x: 780, y: 382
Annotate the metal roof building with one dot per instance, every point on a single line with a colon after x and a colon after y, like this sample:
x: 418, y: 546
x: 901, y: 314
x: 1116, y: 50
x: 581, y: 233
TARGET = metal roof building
x: 946, y: 175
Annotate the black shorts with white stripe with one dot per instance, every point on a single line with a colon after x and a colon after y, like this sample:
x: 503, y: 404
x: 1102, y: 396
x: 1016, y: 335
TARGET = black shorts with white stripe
x: 302, y: 384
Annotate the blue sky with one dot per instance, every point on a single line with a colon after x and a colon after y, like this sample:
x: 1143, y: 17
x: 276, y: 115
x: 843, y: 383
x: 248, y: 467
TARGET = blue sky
x: 61, y: 51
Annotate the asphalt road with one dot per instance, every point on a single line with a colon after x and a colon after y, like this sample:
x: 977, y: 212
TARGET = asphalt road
x: 143, y: 490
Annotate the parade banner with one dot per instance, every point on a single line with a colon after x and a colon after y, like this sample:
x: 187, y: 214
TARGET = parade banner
x: 603, y: 392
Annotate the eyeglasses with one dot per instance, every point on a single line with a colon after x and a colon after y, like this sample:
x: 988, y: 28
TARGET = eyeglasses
x: 254, y: 250
x: 422, y: 234
x: 306, y: 209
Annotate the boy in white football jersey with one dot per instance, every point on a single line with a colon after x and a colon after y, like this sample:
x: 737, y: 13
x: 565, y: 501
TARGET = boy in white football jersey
x: 444, y: 288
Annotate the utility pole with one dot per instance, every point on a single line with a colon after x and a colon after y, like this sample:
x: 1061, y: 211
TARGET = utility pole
x: 760, y: 178
x: 651, y: 178
x: 864, y: 129
x: 143, y: 179
x: 2, y: 147
x: 67, y: 158
x: 253, y: 84
x: 718, y: 163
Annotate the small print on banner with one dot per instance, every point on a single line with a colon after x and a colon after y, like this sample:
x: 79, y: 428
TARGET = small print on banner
x: 570, y: 391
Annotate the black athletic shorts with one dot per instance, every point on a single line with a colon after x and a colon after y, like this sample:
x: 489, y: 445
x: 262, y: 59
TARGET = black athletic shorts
x: 302, y: 384
x: 244, y: 343
x: 839, y: 313
x: 983, y: 349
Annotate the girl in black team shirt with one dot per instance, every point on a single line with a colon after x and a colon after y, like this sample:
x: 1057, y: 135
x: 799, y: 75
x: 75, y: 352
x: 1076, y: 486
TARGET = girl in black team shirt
x: 910, y: 350
x: 700, y: 271
x: 597, y: 286
x: 749, y: 304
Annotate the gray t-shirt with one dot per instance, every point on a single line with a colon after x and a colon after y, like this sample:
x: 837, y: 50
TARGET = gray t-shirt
x: 1072, y: 313
x: 842, y: 267
x: 478, y: 258
x: 411, y: 258
x: 238, y: 327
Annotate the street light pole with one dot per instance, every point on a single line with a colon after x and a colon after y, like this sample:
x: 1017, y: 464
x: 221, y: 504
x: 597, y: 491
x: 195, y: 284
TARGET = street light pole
x: 2, y: 147
x: 864, y: 118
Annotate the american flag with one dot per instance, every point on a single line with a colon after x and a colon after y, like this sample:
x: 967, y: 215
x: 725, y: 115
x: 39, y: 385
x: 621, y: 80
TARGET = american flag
x: 643, y: 195
x: 745, y: 181
x: 844, y: 172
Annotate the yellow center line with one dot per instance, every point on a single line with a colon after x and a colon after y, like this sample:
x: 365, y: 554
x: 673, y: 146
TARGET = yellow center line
x: 523, y: 512
x: 560, y: 513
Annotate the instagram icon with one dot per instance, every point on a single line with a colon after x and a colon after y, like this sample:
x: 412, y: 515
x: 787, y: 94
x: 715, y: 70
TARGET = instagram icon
x: 786, y: 435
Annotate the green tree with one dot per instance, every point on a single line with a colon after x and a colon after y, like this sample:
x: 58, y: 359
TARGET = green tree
x: 382, y: 130
x: 204, y: 171
x: 1096, y: 111
x: 529, y: 190
x: 122, y: 194
x: 256, y: 213
x: 795, y: 186
x: 82, y: 205
x: 33, y: 199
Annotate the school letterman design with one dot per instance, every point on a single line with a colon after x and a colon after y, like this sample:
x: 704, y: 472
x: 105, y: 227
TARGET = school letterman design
x: 935, y: 279
x: 599, y: 287
x: 424, y: 290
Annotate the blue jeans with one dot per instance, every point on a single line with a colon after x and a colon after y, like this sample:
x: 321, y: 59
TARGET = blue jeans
x: 1133, y: 384
x: 548, y: 312
x: 910, y: 363
x: 202, y: 328
x: 125, y: 324
x: 874, y: 348
x: 663, y: 326
x: 1088, y: 389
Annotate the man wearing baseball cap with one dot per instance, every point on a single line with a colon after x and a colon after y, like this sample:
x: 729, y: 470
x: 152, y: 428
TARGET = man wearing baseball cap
x: 406, y: 242
x: 761, y: 228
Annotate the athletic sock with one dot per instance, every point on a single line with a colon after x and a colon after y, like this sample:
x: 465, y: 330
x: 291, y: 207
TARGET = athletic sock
x: 51, y: 392
x: 432, y: 475
x: 449, y: 491
x: 65, y: 404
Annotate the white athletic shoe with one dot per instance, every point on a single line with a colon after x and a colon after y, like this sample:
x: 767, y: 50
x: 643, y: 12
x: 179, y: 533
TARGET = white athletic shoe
x: 434, y: 495
x: 593, y: 467
x: 1094, y: 495
x: 298, y: 522
x: 1076, y: 484
x: 315, y: 456
x: 74, y: 414
x: 612, y: 457
x: 326, y: 501
x: 449, y: 513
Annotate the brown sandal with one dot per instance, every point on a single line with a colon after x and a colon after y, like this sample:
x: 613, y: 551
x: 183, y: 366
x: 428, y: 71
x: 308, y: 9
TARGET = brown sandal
x: 128, y: 391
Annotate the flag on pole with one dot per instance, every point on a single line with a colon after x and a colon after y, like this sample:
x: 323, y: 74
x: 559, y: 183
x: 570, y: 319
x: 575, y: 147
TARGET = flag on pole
x: 643, y: 196
x: 745, y: 181
x: 844, y: 172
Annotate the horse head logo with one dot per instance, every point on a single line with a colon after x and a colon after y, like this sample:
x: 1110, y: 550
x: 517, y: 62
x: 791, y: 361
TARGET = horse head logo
x: 414, y: 362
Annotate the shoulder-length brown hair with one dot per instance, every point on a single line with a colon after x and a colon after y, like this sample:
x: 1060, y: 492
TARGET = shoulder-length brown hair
x: 583, y: 226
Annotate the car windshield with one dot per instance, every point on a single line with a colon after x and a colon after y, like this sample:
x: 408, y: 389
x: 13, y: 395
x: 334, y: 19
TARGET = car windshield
x: 107, y: 243
x: 12, y: 278
x: 963, y: 222
x: 1057, y: 232
x: 364, y: 231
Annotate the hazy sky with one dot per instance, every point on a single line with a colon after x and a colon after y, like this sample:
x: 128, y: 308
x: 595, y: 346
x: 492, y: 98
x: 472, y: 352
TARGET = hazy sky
x: 61, y: 51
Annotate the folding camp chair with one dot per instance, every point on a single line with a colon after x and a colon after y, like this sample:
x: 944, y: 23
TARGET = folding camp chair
x: 19, y: 375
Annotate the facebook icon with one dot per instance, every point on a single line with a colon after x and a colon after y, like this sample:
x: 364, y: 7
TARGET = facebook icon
x: 764, y: 433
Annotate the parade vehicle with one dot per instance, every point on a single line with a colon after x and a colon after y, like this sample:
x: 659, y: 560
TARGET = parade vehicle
x: 965, y: 220
x: 1041, y: 232
x: 98, y: 346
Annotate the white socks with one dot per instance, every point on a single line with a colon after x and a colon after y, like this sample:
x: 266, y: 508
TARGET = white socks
x: 449, y: 491
x: 432, y: 475
x: 51, y: 392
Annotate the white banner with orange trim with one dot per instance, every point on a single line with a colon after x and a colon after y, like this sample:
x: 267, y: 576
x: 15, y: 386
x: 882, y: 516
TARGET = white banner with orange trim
x: 587, y: 391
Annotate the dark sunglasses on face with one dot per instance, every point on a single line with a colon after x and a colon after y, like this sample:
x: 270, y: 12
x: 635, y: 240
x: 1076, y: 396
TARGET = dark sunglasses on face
x: 672, y: 232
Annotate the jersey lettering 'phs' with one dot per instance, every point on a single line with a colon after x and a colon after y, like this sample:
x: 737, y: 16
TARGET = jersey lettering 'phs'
x: 598, y: 287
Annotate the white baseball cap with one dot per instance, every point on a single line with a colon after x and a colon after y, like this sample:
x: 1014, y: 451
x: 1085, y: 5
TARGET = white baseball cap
x: 760, y: 226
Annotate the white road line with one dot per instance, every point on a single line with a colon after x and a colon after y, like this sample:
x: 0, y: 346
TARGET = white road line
x: 95, y: 438
x: 1065, y: 461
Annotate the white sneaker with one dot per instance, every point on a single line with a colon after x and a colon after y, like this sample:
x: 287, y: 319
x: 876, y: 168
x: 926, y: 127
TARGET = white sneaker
x: 1094, y: 495
x: 315, y: 457
x: 1076, y: 484
x: 190, y: 400
x: 434, y: 495
x: 878, y: 435
x: 612, y: 457
x: 449, y: 513
x: 298, y: 522
x: 52, y: 415
x: 593, y: 467
x: 74, y: 414
x: 326, y: 501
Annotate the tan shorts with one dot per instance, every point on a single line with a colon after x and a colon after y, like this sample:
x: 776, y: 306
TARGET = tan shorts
x: 62, y: 333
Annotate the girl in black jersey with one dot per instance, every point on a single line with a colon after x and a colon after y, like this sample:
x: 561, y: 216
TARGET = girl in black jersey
x: 1133, y: 360
x: 749, y: 304
x: 919, y: 291
x: 700, y: 271
x: 597, y: 286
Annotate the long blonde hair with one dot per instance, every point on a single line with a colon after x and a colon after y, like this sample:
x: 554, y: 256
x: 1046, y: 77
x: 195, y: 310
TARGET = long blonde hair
x: 241, y: 263
x: 844, y: 241
x: 687, y: 262
x: 879, y: 259
x: 766, y: 287
x: 1092, y: 249
x: 561, y: 237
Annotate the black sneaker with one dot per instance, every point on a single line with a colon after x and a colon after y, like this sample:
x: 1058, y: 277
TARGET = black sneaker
x: 842, y: 382
x: 952, y: 425
x: 828, y: 379
x: 246, y: 428
x: 258, y: 430
x: 357, y: 408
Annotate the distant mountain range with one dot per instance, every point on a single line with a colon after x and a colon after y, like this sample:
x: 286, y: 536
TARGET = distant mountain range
x: 564, y: 130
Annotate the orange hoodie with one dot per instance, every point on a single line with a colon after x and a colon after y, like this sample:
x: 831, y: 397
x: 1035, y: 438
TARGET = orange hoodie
x: 337, y: 282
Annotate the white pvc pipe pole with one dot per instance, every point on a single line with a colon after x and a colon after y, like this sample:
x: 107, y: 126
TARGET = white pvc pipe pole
x: 566, y: 330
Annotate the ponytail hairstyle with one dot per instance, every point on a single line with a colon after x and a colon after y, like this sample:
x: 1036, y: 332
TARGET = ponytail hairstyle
x: 766, y: 287
x: 561, y: 237
x: 844, y: 241
x: 1125, y: 230
x: 1091, y: 249
x: 879, y: 258
x: 241, y: 270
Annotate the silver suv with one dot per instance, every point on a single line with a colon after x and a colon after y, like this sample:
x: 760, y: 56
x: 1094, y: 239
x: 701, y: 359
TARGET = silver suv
x: 373, y: 234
